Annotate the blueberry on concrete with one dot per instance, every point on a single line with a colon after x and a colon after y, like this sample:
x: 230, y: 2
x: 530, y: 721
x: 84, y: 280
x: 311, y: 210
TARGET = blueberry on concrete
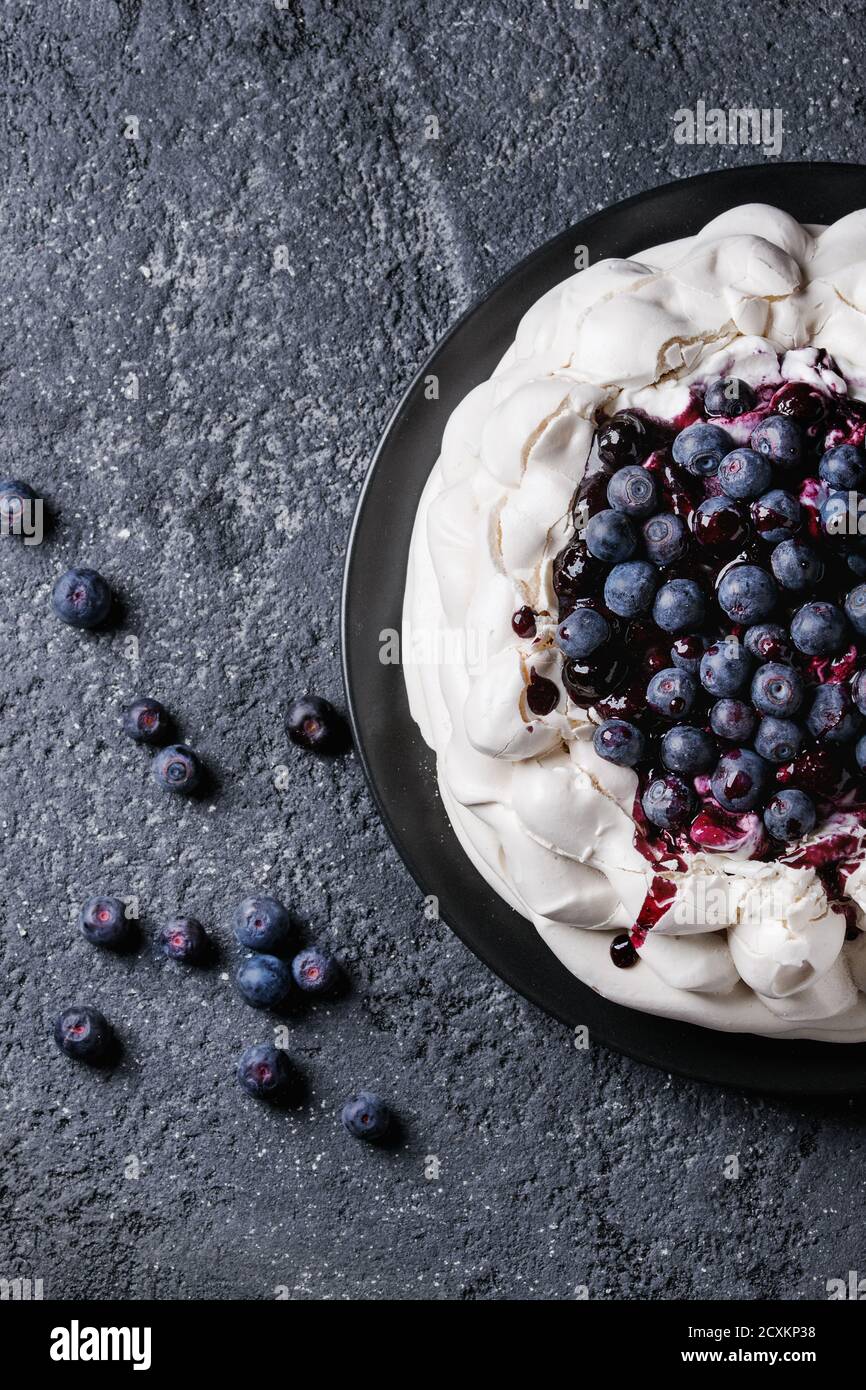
x: 81, y: 598
x: 85, y: 1034
x: 314, y: 724
x: 265, y: 982
x: 366, y: 1116
x: 262, y: 924
x: 265, y: 1072
x: 177, y: 769
x: 184, y: 939
x: 146, y: 721
x: 103, y: 921
x: 315, y: 972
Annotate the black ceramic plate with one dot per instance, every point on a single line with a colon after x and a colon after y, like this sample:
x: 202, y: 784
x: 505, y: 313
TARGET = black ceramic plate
x: 399, y: 766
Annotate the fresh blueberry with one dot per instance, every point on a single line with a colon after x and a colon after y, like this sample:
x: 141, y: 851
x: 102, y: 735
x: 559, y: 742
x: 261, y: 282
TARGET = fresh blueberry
x: 146, y: 721
x: 687, y: 651
x: 779, y: 438
x: 104, y: 922
x: 668, y: 801
x: 265, y: 1072
x: 619, y: 742
x: 582, y: 632
x: 314, y: 724
x: 858, y: 691
x: 624, y: 439
x: 177, y: 769
x: 671, y: 693
x: 838, y: 517
x: 85, y: 1034
x: 776, y: 515
x: 860, y: 753
x: 725, y: 668
x: 778, y: 740
x: 844, y: 467
x: 718, y: 523
x: 81, y: 598
x: 264, y: 981
x: 796, y: 566
x: 769, y: 642
x: 743, y: 474
x: 818, y: 629
x: 184, y: 939
x: 790, y: 814
x: 729, y: 397
x: 857, y: 564
x: 15, y: 499
x: 777, y: 689
x: 700, y: 449
x: 855, y: 609
x: 314, y: 972
x: 365, y: 1116
x: 739, y: 780
x: 262, y: 924
x: 747, y: 594
x: 665, y: 538
x: 679, y: 605
x: 633, y: 491
x: 688, y: 750
x: 629, y: 589
x: 610, y: 537
x: 733, y: 720
x: 834, y: 718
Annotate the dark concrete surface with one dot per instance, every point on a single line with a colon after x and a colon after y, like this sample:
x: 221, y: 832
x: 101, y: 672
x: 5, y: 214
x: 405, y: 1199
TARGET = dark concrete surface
x: 218, y: 503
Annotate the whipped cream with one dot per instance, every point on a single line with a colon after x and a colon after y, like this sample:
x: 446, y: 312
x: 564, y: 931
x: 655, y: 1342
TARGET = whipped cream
x: 741, y: 945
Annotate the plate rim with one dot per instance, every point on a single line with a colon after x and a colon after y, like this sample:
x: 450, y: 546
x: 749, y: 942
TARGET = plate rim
x: 526, y: 987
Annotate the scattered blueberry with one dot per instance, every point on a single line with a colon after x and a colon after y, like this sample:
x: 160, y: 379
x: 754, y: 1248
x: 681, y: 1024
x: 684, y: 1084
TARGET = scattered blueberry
x: 769, y: 642
x: 610, y: 536
x: 85, y: 1034
x: 314, y: 724
x: 265, y: 1072
x: 668, y: 801
x: 665, y: 538
x: 177, y: 769
x: 747, y: 594
x: 855, y: 609
x: 184, y: 939
x: 582, y: 632
x: 314, y: 972
x: 725, y: 668
x: 790, y: 814
x: 633, y: 491
x: 778, y: 740
x: 104, y: 922
x: 264, y: 981
x: 834, y: 718
x: 15, y: 498
x: 739, y: 780
x: 818, y: 629
x: 796, y: 566
x: 733, y: 720
x: 777, y: 437
x: 729, y: 397
x: 679, y: 605
x: 776, y: 515
x: 146, y: 721
x: 671, y: 693
x: 701, y: 448
x: 688, y: 750
x: 629, y: 589
x: 365, y: 1116
x: 81, y: 598
x: 843, y: 467
x: 777, y: 689
x: 743, y: 474
x: 619, y: 742
x: 262, y: 924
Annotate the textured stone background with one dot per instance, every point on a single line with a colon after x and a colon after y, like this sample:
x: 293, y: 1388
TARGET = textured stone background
x: 218, y: 503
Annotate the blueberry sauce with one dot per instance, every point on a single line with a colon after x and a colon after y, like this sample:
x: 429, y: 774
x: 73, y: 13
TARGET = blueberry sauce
x: 722, y: 533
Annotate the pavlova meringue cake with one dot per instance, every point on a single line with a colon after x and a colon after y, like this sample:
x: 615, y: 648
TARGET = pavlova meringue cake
x: 634, y: 629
